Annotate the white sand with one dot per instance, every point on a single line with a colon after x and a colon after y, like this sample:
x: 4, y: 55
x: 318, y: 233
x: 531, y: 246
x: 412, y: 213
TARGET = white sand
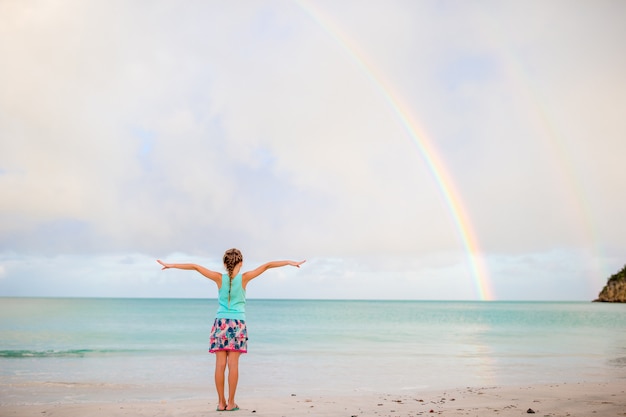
x: 567, y: 400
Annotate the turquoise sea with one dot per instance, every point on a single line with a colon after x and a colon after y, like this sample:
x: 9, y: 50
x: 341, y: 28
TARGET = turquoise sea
x: 97, y: 349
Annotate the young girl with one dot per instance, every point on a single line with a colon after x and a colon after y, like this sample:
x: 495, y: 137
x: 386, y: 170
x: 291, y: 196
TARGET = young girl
x: 229, y: 335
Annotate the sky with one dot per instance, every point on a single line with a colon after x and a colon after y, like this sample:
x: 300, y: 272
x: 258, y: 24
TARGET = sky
x: 428, y: 150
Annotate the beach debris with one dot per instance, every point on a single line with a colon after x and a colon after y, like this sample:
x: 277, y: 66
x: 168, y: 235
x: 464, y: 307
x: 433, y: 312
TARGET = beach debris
x: 530, y: 411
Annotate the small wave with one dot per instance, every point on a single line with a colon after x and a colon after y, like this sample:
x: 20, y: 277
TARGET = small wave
x: 618, y: 362
x: 52, y: 353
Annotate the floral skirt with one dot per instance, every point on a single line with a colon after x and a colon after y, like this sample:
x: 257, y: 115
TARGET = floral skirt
x: 230, y: 335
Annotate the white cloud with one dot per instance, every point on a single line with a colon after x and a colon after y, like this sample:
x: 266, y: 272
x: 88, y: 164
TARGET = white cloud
x: 153, y: 128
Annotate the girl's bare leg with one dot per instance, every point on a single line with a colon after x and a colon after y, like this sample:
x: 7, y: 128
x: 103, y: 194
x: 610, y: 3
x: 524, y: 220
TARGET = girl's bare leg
x: 220, y: 369
x: 233, y: 378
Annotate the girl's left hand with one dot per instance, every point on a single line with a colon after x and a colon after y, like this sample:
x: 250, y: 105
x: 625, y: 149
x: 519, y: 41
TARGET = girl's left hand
x: 165, y: 266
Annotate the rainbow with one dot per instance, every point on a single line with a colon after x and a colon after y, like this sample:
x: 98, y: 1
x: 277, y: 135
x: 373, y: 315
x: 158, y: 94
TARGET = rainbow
x: 418, y: 137
x: 552, y: 139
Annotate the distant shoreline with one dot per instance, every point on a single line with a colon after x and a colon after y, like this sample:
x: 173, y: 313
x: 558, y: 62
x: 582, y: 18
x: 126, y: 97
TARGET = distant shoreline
x: 69, y: 297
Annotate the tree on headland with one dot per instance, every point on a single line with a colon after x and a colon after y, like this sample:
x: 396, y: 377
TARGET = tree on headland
x: 615, y: 289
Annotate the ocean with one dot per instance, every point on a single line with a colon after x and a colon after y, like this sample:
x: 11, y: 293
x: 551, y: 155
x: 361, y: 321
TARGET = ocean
x: 105, y: 349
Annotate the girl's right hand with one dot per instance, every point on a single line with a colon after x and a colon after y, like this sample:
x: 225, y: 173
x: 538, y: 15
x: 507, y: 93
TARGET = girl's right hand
x: 296, y: 264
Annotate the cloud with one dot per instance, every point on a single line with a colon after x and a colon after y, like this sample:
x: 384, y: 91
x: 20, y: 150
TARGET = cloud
x: 130, y: 128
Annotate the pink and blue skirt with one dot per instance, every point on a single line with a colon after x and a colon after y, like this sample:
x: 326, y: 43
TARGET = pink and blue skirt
x: 229, y: 335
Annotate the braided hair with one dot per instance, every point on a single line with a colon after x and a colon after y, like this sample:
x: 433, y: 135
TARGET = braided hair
x: 232, y: 258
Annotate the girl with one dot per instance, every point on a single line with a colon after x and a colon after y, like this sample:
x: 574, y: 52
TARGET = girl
x: 229, y: 335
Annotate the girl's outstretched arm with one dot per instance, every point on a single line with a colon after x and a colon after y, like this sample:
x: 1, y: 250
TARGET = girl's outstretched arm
x: 212, y: 275
x: 250, y: 275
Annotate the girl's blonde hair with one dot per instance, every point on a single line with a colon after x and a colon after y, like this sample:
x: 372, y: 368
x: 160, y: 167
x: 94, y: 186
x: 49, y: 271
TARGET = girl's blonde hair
x: 232, y: 257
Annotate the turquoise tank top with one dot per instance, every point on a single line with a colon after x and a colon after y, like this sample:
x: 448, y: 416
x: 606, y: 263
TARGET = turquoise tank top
x: 236, y: 308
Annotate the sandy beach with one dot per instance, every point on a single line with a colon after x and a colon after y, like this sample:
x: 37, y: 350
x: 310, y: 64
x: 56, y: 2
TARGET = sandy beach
x: 567, y: 400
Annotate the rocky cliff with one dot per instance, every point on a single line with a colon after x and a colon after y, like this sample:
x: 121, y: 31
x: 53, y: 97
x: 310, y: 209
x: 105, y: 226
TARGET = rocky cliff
x: 615, y: 289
